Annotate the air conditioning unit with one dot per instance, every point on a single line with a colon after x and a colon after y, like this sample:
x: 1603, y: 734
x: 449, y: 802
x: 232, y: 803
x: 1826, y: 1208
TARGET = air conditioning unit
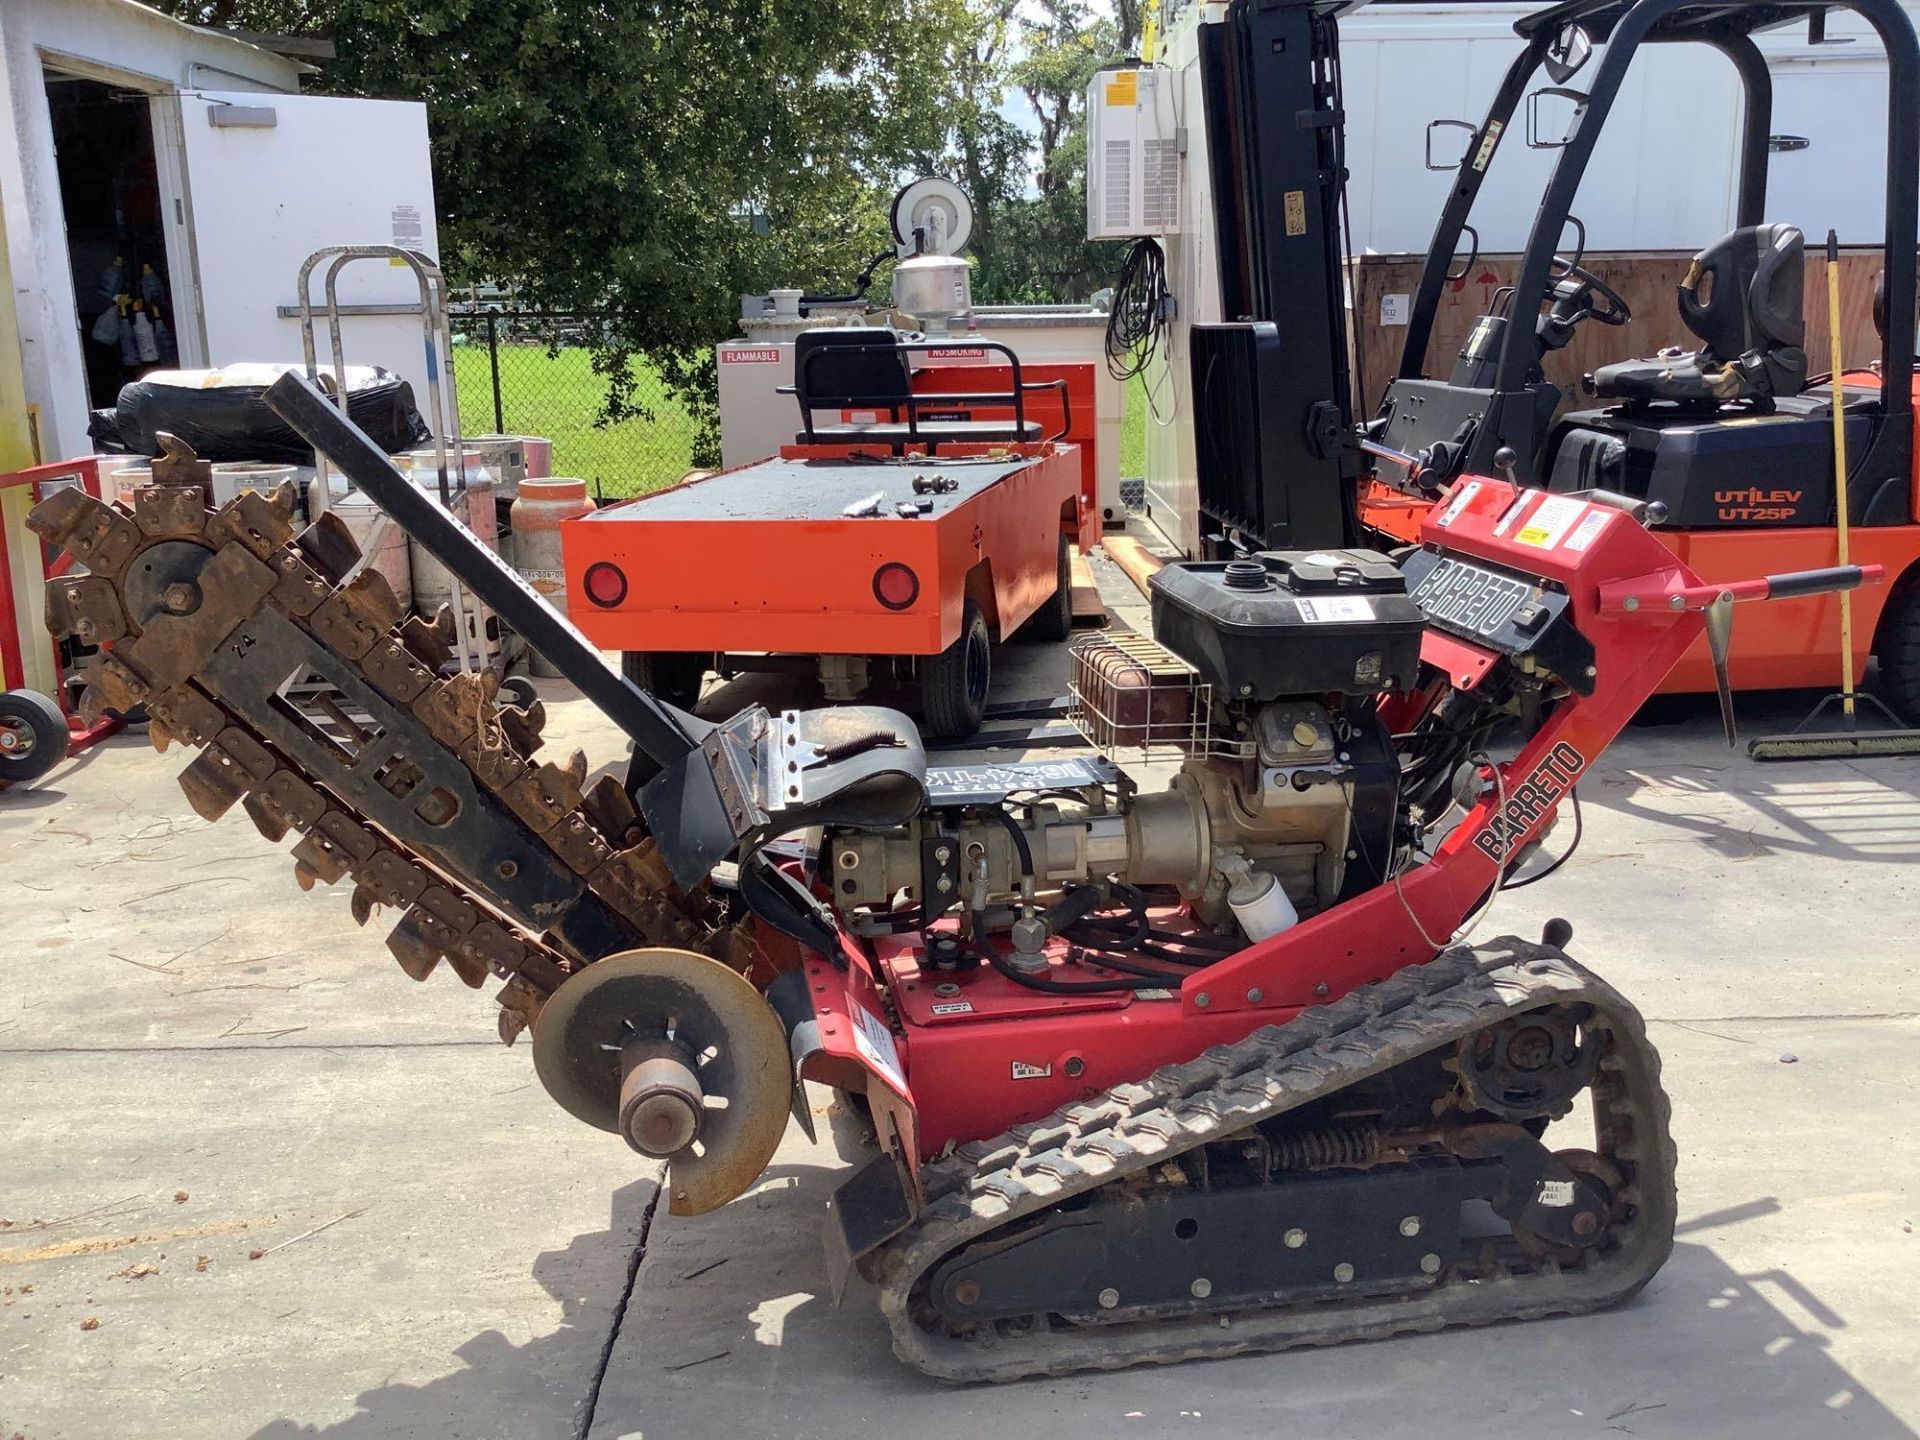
x: 1133, y: 154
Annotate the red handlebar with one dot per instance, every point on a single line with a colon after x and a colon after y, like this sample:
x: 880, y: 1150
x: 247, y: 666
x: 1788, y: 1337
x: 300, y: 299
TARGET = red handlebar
x: 1649, y: 593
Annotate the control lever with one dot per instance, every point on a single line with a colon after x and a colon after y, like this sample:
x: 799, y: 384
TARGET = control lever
x: 1504, y: 460
x: 1719, y: 643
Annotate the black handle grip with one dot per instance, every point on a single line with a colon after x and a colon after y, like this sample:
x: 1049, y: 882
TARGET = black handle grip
x: 1647, y: 512
x: 1814, y: 582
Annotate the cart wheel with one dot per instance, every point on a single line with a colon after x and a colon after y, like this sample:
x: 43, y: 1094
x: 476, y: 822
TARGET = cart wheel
x: 518, y: 691
x: 1898, y: 647
x: 674, y: 676
x: 1054, y: 620
x: 953, y: 684
x: 33, y: 736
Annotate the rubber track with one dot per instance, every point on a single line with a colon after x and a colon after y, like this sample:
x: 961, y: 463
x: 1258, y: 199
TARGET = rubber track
x: 985, y: 1186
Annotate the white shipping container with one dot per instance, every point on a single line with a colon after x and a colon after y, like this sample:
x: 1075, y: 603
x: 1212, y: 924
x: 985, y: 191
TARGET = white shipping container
x: 1664, y: 174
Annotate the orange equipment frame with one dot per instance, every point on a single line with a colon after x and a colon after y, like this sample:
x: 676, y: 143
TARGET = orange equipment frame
x: 1044, y: 406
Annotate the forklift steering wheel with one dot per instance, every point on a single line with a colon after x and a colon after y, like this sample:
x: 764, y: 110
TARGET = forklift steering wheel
x: 1573, y: 302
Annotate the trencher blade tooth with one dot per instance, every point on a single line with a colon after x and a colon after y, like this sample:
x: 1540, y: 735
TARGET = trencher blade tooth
x: 417, y: 956
x: 266, y: 819
x: 208, y: 786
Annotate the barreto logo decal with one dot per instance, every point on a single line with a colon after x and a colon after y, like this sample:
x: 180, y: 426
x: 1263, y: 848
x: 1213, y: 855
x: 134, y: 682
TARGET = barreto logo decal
x: 1023, y: 1071
x: 1551, y: 779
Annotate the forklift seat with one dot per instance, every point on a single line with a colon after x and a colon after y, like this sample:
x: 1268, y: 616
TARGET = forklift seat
x: 864, y: 367
x: 1749, y: 321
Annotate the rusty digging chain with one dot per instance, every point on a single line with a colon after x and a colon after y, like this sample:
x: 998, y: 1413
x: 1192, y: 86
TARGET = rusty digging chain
x: 257, y: 562
x: 985, y: 1187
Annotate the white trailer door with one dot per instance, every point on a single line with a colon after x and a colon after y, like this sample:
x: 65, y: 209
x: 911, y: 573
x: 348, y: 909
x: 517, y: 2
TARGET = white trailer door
x: 1831, y: 170
x: 281, y: 177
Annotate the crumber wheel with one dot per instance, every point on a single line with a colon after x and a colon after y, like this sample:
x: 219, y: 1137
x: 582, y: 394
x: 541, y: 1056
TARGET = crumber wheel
x: 953, y: 684
x: 33, y: 736
x: 1054, y: 620
x: 681, y: 1057
x: 674, y: 676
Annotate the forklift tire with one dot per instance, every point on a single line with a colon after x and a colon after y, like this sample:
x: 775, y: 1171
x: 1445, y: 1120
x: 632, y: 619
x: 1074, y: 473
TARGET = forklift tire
x: 674, y: 676
x: 953, y: 684
x: 1054, y: 620
x: 1898, y: 648
x: 33, y: 736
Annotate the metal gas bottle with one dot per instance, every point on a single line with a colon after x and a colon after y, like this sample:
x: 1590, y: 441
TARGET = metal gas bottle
x: 537, y: 514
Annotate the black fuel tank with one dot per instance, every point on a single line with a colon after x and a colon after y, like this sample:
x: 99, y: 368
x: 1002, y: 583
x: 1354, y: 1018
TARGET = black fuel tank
x: 1291, y: 622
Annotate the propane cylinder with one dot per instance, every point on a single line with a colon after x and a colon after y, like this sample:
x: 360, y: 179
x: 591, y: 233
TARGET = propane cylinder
x: 537, y: 514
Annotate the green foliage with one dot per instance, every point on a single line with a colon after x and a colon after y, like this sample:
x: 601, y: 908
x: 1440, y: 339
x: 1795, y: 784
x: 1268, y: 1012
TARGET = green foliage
x: 651, y: 161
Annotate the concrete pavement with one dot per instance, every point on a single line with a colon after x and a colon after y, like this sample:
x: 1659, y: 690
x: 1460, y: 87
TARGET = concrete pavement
x: 180, y: 1021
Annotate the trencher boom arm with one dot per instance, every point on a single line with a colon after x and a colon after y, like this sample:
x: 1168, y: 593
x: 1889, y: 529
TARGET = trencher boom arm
x: 716, y: 793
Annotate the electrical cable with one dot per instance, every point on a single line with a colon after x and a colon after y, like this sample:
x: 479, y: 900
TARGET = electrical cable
x: 1503, y: 830
x: 1142, y: 306
x: 1563, y: 857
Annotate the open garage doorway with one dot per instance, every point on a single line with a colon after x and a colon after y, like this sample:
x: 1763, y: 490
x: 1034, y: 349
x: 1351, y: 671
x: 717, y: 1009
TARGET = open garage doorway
x: 110, y: 198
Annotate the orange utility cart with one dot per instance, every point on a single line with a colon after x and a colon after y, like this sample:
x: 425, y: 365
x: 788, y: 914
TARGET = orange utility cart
x: 764, y: 568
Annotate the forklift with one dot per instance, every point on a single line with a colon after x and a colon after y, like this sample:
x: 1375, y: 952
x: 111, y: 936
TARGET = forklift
x: 1724, y: 439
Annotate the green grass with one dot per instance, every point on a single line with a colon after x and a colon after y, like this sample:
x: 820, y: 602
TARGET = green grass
x: 1133, y: 430
x: 559, y: 396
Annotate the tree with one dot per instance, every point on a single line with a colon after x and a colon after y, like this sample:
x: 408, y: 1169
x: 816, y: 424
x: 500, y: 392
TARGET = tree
x: 1041, y: 253
x: 647, y: 160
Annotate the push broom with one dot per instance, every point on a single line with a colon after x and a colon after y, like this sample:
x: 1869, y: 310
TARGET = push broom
x: 1850, y: 741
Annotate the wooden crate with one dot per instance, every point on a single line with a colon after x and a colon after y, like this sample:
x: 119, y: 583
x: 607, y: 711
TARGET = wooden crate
x: 1646, y: 280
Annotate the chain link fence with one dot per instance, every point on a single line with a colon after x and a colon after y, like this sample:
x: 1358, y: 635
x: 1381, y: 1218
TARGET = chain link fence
x: 531, y: 373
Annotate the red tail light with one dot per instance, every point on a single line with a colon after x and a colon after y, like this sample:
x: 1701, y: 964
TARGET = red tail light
x: 605, y: 585
x: 895, y: 586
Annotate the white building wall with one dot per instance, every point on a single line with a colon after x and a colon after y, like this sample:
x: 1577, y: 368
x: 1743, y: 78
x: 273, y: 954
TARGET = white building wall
x: 122, y: 43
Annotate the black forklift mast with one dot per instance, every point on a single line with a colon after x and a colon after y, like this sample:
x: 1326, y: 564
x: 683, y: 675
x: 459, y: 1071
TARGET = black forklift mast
x: 1508, y: 415
x: 1273, y: 399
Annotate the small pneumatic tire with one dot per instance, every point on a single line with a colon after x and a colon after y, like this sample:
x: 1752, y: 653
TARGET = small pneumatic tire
x: 36, y: 731
x: 674, y: 676
x: 1053, y: 621
x: 953, y: 684
x: 1898, y: 648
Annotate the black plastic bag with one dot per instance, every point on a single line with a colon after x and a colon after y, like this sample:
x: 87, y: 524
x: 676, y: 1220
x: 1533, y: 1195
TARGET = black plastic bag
x: 103, y: 428
x: 233, y: 422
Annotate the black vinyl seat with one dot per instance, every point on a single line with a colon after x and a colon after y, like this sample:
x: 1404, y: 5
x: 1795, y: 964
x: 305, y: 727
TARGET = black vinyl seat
x: 865, y: 368
x: 1749, y: 320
